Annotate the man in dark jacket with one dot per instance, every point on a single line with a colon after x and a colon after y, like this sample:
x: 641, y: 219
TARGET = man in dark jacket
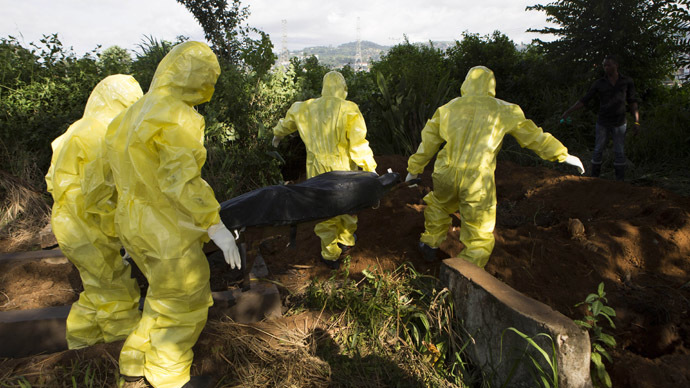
x: 615, y: 91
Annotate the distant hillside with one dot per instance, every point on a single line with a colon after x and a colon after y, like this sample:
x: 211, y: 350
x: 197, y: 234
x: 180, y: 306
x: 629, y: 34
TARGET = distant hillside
x: 345, y: 53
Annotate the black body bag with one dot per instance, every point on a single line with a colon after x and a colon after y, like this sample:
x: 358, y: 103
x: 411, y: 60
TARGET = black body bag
x: 323, y: 196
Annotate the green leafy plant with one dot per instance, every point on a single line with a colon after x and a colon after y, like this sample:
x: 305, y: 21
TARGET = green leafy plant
x: 544, y: 377
x: 401, y: 316
x: 596, y: 311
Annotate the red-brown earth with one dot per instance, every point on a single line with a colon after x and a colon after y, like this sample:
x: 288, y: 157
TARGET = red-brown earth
x: 636, y: 240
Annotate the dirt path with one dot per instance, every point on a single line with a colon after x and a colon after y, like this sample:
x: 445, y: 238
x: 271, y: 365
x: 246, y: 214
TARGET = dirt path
x: 557, y: 237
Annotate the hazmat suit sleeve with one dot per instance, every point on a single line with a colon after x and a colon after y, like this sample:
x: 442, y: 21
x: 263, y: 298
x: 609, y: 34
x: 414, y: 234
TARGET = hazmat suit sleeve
x: 288, y: 124
x: 530, y: 136
x: 181, y: 156
x: 97, y: 186
x: 431, y: 142
x: 360, y: 152
x: 56, y: 146
x: 66, y: 171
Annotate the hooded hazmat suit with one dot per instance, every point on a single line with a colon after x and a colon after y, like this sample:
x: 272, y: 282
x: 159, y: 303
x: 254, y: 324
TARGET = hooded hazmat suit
x: 473, y: 127
x: 334, y: 134
x: 84, y: 199
x: 156, y: 151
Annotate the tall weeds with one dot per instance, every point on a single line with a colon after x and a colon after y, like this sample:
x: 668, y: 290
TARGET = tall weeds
x: 23, y: 212
x: 390, y: 326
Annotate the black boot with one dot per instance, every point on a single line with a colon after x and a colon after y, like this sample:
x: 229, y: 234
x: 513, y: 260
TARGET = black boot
x: 620, y: 172
x: 428, y: 253
x: 596, y: 170
x: 133, y: 382
x: 332, y: 264
x: 346, y: 248
x: 198, y: 382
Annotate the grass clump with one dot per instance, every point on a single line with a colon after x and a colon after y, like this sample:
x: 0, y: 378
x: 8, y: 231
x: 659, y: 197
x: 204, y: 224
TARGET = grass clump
x: 72, y: 368
x: 389, y: 329
x: 543, y: 367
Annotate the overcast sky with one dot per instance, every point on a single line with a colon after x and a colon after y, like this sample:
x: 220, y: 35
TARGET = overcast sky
x: 84, y: 24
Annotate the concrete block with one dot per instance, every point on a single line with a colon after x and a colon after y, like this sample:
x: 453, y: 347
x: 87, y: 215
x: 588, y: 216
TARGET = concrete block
x: 487, y: 307
x: 28, y: 332
x: 261, y: 301
x: 47, y: 237
x: 259, y: 269
x: 51, y: 256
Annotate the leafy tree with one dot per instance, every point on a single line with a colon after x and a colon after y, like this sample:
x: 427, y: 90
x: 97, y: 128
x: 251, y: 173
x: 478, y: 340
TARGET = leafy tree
x: 151, y: 52
x: 222, y: 25
x: 258, y: 54
x: 421, y: 65
x: 361, y: 85
x: 44, y: 90
x: 650, y: 37
x: 308, y: 76
x: 115, y: 60
x: 495, y: 51
x: 413, y: 80
x: 18, y: 65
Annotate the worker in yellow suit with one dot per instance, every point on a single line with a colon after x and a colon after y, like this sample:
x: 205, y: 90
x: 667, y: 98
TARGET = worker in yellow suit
x: 473, y: 127
x: 165, y: 212
x: 334, y: 133
x: 84, y: 200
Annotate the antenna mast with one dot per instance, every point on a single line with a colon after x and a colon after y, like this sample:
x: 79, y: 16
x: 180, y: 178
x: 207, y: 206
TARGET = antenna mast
x: 284, y: 55
x: 358, y: 56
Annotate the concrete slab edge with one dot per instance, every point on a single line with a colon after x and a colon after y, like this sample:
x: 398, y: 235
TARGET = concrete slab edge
x: 487, y: 307
x: 46, y: 326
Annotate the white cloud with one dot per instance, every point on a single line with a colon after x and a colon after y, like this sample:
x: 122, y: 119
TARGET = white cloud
x: 84, y: 24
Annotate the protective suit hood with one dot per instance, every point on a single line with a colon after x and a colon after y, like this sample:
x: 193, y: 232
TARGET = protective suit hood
x: 480, y: 81
x: 334, y: 85
x: 111, y: 96
x: 188, y: 72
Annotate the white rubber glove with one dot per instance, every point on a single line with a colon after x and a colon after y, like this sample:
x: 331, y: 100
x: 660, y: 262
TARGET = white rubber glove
x: 575, y: 161
x: 222, y: 237
x: 410, y: 177
x: 276, y: 141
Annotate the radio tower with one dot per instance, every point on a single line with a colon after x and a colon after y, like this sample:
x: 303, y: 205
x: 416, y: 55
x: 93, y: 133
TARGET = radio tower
x: 358, y: 56
x: 284, y: 56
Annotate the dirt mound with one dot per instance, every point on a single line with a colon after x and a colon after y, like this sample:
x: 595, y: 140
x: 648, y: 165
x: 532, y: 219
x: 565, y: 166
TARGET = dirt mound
x: 557, y: 237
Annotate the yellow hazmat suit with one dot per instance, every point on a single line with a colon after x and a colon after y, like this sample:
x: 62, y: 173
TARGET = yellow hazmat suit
x: 83, y: 219
x: 334, y: 134
x: 473, y: 127
x: 156, y: 151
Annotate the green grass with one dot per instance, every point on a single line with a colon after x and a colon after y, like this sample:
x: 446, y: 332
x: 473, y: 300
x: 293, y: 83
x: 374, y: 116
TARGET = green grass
x: 77, y: 372
x: 544, y: 368
x: 392, y: 329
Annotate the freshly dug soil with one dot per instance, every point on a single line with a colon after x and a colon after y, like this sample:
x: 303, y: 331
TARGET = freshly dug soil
x: 557, y: 237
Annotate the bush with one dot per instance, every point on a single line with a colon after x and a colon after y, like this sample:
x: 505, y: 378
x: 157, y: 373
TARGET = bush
x: 412, y: 82
x: 48, y: 91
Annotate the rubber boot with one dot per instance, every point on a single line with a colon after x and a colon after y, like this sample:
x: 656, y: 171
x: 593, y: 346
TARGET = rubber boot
x: 199, y: 382
x: 346, y: 248
x: 332, y: 264
x: 428, y: 253
x: 596, y: 170
x: 133, y: 382
x: 620, y: 172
